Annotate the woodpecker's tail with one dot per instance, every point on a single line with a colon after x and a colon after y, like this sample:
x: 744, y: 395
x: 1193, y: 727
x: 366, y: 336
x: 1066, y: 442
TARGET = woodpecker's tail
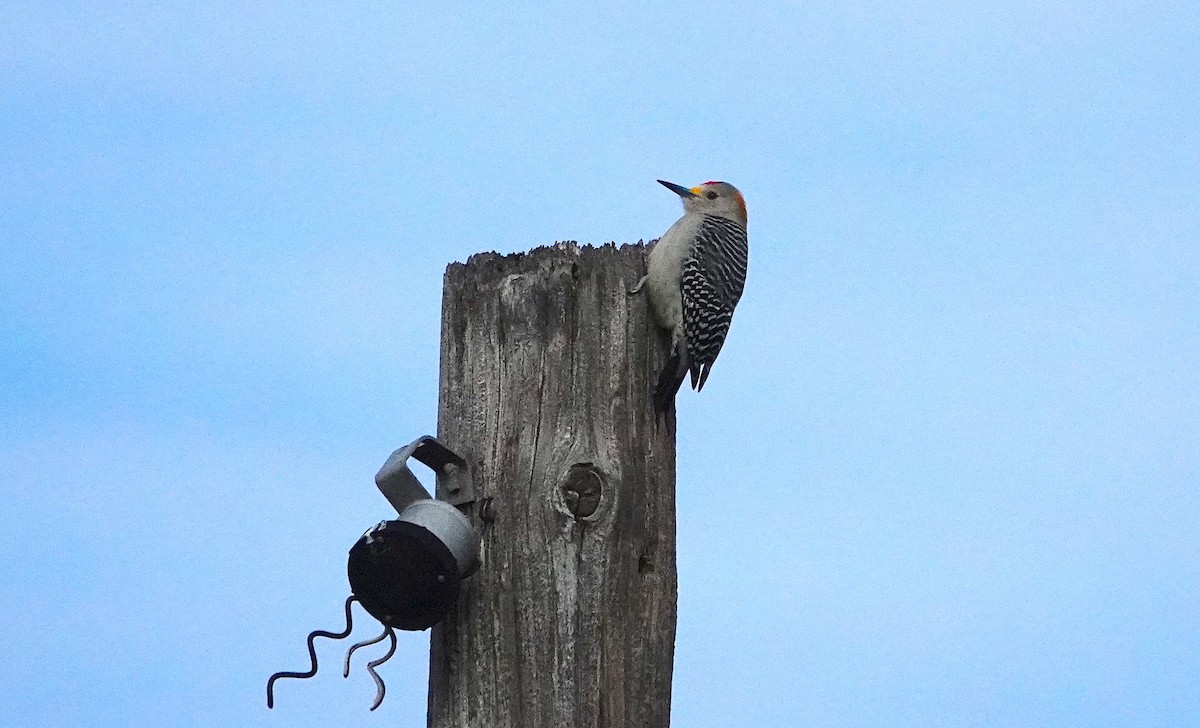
x: 670, y: 379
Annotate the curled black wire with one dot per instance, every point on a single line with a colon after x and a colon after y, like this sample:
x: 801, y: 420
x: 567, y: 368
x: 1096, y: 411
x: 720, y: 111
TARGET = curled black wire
x: 379, y: 689
x: 365, y: 643
x: 312, y: 653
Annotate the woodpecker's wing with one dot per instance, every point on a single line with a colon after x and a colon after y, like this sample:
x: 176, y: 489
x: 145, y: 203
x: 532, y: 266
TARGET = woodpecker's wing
x: 714, y: 274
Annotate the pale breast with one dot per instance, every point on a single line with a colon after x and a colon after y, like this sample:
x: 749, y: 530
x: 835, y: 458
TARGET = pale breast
x: 665, y: 266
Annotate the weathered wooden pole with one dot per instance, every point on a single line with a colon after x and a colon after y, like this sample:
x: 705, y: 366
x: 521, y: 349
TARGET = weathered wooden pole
x: 547, y: 370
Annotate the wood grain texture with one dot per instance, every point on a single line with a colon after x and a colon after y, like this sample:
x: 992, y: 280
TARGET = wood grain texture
x: 547, y: 371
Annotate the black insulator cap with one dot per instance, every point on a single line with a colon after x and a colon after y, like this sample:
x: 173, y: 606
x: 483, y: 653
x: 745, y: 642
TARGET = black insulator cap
x: 403, y: 575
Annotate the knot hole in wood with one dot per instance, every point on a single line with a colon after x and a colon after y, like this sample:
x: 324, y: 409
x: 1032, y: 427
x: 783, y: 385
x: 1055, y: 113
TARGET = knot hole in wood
x: 582, y: 490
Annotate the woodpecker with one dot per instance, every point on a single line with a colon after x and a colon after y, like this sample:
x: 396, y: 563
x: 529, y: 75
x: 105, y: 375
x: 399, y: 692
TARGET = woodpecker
x: 695, y: 278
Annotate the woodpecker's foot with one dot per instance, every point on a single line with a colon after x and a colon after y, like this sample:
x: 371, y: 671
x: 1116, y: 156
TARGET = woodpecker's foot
x: 638, y: 287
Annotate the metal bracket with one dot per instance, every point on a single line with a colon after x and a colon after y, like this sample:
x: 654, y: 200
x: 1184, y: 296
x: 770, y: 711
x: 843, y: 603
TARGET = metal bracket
x: 401, y: 487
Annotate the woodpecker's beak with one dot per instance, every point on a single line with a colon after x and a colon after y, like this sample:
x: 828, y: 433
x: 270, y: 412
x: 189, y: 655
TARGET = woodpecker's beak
x: 680, y: 190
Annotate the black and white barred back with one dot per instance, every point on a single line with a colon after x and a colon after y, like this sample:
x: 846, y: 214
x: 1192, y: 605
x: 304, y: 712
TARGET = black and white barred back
x: 714, y: 273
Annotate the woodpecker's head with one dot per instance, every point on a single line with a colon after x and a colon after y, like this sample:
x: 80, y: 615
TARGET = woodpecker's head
x: 711, y: 198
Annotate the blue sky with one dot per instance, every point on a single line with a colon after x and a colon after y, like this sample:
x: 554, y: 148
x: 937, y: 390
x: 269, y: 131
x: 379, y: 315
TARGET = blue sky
x: 944, y: 473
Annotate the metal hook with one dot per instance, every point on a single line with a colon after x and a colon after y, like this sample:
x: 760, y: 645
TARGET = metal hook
x: 379, y: 688
x: 382, y: 635
x: 312, y: 653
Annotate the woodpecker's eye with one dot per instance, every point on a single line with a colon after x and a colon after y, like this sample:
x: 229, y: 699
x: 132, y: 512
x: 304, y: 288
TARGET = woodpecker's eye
x: 711, y: 195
